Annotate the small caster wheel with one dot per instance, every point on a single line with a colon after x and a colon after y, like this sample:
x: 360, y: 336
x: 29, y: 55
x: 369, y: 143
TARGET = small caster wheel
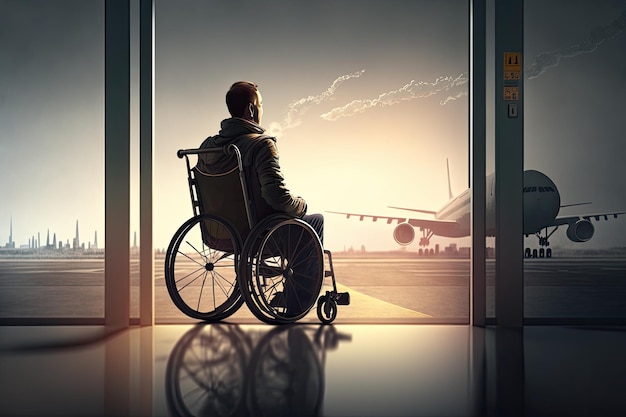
x: 326, y: 309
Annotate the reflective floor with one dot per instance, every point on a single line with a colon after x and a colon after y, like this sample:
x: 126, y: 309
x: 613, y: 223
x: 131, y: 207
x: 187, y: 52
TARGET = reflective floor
x: 312, y: 370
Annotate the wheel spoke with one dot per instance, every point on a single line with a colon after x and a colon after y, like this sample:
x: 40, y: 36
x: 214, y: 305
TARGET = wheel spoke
x: 201, y: 290
x: 269, y: 290
x: 224, y: 256
x: 232, y: 284
x: 191, y: 259
x: 278, y: 250
x: 213, y: 288
x: 190, y: 282
x: 297, y: 245
x: 296, y: 282
x: 301, y: 261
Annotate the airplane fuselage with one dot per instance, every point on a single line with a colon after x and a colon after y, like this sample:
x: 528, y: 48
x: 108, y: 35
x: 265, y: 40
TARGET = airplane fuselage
x: 541, y: 206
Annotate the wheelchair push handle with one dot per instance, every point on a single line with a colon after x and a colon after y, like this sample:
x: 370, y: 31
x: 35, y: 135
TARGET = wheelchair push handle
x: 183, y: 152
x: 227, y: 149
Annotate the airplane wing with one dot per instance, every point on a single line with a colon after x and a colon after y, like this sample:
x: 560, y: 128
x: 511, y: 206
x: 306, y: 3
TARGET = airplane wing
x: 438, y: 227
x: 374, y: 218
x: 559, y: 221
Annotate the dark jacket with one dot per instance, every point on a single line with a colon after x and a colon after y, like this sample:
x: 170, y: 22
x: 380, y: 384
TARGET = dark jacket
x: 260, y: 160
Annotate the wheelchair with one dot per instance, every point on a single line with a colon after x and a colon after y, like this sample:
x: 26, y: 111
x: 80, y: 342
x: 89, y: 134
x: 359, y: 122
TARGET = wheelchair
x: 222, y: 257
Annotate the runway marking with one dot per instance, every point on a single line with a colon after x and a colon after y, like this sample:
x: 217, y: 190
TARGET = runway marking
x: 382, y: 307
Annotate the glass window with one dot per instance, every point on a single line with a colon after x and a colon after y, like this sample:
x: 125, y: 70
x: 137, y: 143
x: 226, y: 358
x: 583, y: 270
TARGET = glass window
x: 52, y: 159
x: 574, y: 129
x: 368, y: 100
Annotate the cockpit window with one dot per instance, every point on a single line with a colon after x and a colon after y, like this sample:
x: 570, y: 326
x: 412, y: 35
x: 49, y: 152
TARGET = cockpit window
x: 547, y: 189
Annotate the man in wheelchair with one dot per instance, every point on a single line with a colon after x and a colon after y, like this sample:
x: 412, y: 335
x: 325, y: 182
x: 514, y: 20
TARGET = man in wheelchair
x: 259, y: 155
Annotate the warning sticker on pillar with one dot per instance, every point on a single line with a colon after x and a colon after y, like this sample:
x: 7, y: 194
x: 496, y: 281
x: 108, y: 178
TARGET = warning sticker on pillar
x: 511, y: 93
x: 512, y: 61
x: 512, y: 75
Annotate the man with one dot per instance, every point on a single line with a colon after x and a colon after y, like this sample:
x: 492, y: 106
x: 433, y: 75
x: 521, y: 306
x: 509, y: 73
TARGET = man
x: 259, y: 156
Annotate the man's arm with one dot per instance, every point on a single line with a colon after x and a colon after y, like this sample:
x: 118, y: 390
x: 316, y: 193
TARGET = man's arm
x: 273, y: 189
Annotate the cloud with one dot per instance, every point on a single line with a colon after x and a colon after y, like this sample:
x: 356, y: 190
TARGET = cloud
x: 299, y: 107
x: 546, y: 60
x: 411, y: 91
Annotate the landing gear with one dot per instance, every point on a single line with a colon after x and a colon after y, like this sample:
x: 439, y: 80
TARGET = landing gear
x: 543, y: 241
x: 542, y: 253
x: 426, y: 235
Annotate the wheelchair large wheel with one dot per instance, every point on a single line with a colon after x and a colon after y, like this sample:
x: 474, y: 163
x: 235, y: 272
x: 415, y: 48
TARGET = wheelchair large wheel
x: 201, y: 268
x: 282, y: 270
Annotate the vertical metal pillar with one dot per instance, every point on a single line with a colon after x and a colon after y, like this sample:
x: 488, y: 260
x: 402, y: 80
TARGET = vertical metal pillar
x: 478, y: 134
x: 117, y: 163
x: 509, y: 155
x: 146, y: 83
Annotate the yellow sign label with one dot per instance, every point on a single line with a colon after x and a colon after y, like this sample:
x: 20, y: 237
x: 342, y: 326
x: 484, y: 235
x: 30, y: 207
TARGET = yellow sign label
x: 512, y: 75
x: 512, y: 61
x: 511, y: 93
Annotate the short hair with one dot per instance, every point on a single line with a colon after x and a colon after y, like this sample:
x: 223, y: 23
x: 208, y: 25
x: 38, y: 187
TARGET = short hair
x: 239, y: 96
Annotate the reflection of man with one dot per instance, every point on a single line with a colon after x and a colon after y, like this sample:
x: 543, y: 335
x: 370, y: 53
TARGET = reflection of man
x: 259, y: 155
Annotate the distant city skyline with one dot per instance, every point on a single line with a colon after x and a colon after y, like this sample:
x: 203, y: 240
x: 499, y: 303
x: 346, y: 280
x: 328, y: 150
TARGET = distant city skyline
x: 33, y: 243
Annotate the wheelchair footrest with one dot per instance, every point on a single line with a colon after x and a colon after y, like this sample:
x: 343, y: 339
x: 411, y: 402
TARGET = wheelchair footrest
x: 343, y: 298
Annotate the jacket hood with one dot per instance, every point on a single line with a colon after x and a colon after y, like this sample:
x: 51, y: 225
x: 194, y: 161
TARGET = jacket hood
x: 231, y: 129
x: 234, y: 127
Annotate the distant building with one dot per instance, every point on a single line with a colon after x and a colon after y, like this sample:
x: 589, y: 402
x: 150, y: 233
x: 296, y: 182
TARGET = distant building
x: 48, y: 244
x: 76, y: 240
x: 10, y: 244
x: 451, y: 249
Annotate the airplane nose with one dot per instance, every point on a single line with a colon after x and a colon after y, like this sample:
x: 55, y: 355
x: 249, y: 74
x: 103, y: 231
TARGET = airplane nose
x: 541, y: 201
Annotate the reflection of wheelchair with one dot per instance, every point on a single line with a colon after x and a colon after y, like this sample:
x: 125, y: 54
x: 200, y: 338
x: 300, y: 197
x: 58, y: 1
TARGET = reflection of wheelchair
x: 223, y: 256
x: 220, y: 370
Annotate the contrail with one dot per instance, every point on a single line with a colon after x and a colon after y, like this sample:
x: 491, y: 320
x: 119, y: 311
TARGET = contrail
x: 455, y: 87
x: 410, y: 91
x: 299, y: 107
x: 546, y: 60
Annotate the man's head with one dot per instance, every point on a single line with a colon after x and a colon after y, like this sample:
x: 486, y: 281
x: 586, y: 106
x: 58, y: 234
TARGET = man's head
x: 244, y: 100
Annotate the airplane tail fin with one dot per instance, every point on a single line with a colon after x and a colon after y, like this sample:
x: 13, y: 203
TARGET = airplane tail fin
x: 449, y: 185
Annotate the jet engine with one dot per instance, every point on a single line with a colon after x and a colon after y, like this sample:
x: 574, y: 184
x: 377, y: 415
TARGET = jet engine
x: 404, y: 234
x: 581, y: 231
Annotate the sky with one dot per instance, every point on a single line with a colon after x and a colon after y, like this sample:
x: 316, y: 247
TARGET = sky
x: 367, y: 98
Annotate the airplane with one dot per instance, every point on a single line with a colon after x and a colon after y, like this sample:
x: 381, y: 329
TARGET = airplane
x: 542, y: 203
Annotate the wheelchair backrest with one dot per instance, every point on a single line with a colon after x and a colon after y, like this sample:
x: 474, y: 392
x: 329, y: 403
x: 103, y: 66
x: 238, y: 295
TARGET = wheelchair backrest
x: 222, y: 192
x: 222, y: 195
